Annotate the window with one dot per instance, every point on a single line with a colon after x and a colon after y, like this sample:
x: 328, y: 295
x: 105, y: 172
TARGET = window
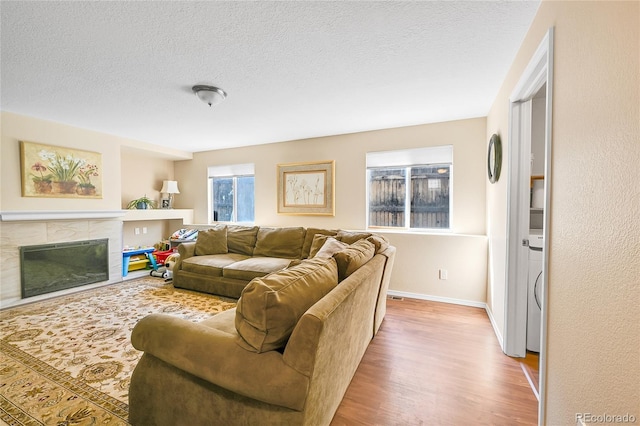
x: 410, y: 189
x: 232, y: 193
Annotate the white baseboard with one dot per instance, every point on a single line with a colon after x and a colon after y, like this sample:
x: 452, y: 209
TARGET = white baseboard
x: 437, y: 299
x: 495, y: 327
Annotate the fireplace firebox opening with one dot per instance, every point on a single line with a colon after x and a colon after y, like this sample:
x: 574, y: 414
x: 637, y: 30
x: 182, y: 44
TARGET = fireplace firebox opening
x: 53, y: 267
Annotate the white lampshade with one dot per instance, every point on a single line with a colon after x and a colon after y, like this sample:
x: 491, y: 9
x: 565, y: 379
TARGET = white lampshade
x: 170, y: 187
x: 210, y: 95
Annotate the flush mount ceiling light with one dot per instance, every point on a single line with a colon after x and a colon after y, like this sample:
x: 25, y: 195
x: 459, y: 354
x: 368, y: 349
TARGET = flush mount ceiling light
x: 210, y: 95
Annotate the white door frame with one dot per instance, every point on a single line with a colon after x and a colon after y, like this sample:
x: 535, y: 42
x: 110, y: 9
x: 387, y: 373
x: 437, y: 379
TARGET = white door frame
x: 538, y: 72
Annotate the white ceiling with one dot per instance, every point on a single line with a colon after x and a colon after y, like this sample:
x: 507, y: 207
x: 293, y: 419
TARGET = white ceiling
x: 292, y: 70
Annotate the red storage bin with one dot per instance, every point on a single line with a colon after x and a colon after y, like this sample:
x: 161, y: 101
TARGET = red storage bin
x: 161, y: 256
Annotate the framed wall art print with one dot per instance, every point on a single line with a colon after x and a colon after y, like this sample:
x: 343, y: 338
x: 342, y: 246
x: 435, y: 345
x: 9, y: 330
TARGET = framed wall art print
x: 55, y: 171
x: 307, y: 188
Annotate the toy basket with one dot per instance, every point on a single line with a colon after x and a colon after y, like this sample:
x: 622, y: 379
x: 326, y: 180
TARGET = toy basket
x: 161, y: 256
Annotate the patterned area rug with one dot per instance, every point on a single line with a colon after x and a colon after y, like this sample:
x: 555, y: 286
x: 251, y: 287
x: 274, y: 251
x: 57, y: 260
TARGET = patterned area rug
x: 68, y: 361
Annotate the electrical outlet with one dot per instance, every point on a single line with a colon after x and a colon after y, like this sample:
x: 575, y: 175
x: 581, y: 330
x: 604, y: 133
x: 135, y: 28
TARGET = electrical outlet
x: 144, y: 230
x: 136, y: 231
x: 442, y: 274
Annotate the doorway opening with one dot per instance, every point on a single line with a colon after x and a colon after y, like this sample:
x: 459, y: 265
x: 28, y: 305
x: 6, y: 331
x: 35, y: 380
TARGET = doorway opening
x: 528, y: 207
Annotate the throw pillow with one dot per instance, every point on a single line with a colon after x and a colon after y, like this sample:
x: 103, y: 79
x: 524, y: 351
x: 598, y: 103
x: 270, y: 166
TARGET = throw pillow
x: 212, y: 241
x: 316, y: 245
x: 353, y: 257
x: 270, y: 307
x: 308, y: 239
x: 241, y: 239
x: 330, y: 246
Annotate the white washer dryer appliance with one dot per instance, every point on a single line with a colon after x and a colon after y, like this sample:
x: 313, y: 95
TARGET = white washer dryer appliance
x: 534, y: 290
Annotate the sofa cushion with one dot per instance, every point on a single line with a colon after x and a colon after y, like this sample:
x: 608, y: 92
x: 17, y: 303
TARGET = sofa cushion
x: 210, y: 265
x: 279, y: 242
x: 353, y: 257
x: 308, y: 239
x: 329, y: 247
x: 212, y: 241
x: 253, y: 267
x: 241, y: 239
x: 351, y: 237
x: 224, y: 321
x: 270, y: 307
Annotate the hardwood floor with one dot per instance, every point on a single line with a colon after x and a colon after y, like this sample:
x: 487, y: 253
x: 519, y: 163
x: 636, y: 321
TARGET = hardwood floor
x: 437, y: 364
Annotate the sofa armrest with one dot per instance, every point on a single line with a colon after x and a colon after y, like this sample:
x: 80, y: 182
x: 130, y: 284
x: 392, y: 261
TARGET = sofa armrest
x: 214, y: 355
x: 185, y: 250
x: 381, y: 305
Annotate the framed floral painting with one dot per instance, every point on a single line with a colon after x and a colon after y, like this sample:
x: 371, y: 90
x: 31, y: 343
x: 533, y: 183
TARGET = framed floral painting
x: 306, y: 188
x: 54, y: 171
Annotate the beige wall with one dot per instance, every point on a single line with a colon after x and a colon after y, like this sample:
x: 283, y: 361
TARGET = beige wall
x: 142, y: 175
x: 348, y: 151
x: 130, y: 168
x: 133, y: 169
x: 17, y: 128
x: 419, y: 255
x: 593, y: 358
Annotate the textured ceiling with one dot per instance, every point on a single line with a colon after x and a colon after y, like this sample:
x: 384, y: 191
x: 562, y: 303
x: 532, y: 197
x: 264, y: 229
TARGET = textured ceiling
x: 292, y: 70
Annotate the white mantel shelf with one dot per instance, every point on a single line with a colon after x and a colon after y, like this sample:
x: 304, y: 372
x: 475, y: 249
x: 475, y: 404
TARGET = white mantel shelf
x: 158, y: 214
x: 17, y: 216
x: 186, y: 215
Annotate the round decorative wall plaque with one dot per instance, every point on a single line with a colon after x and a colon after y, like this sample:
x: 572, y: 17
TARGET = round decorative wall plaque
x: 494, y: 158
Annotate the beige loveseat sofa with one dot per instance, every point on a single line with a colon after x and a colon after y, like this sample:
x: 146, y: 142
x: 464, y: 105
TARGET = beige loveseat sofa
x: 224, y: 259
x: 284, y: 356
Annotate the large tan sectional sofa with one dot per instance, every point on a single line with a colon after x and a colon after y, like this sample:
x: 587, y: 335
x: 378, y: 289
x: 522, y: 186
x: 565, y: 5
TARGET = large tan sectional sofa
x: 284, y: 356
x: 224, y: 259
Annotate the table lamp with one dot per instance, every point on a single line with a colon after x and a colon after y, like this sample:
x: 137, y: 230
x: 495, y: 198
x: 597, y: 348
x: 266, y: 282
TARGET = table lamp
x: 169, y: 187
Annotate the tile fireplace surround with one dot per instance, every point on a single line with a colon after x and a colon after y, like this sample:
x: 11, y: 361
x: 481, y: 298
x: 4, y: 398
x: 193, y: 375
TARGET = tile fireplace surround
x: 45, y: 227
